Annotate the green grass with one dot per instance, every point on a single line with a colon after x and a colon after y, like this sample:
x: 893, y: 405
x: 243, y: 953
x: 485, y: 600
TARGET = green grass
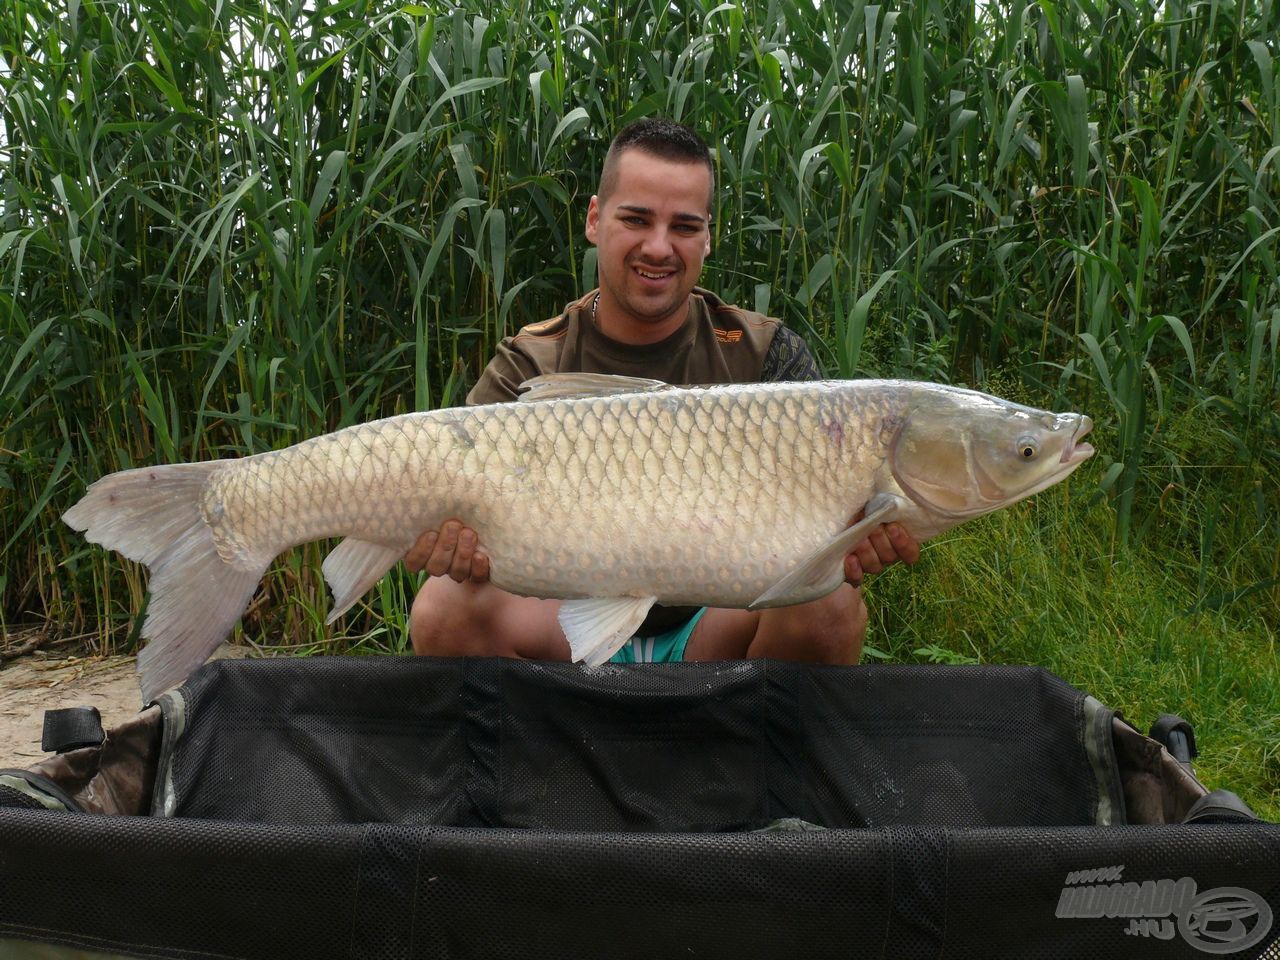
x: 1043, y: 583
x: 226, y: 227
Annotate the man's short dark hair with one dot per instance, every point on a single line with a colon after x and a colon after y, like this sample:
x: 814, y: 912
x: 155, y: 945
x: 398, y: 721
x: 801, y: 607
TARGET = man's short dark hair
x: 659, y: 137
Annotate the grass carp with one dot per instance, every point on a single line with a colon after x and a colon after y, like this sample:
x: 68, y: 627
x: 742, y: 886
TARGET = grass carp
x: 612, y: 493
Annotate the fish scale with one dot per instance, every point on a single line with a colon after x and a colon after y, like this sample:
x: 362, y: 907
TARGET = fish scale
x: 611, y: 495
x: 724, y: 508
x: 513, y: 471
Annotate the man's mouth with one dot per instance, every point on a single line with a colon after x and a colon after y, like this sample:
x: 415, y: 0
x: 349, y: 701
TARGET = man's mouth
x: 654, y: 275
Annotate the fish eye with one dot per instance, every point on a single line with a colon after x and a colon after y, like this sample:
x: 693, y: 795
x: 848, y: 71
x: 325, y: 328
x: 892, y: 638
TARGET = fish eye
x: 1028, y: 447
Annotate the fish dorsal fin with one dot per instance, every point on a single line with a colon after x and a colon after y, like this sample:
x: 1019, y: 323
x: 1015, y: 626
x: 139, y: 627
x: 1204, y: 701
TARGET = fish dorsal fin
x: 597, y: 626
x: 825, y: 566
x: 572, y: 386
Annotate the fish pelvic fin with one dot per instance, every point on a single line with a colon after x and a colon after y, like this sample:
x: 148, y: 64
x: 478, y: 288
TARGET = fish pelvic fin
x: 823, y: 570
x: 152, y: 515
x: 596, y: 627
x: 353, y: 567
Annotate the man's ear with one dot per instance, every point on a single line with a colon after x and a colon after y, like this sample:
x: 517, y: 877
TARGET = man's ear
x: 706, y: 249
x: 593, y: 218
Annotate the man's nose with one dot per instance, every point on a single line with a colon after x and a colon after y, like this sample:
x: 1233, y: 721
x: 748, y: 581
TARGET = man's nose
x: 657, y: 246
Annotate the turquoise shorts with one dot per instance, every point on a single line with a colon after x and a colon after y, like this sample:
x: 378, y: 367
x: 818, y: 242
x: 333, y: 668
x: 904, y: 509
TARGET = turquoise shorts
x: 661, y: 647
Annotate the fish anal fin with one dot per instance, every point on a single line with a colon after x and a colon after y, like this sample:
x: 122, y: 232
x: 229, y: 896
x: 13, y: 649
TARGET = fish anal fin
x: 597, y: 626
x: 571, y: 386
x: 823, y: 569
x: 353, y: 567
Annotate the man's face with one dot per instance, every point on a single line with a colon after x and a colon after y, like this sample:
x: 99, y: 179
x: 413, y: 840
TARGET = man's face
x: 651, y: 234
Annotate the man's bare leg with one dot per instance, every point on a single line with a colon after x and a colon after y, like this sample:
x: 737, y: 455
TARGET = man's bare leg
x: 828, y: 630
x: 470, y: 619
x: 478, y: 619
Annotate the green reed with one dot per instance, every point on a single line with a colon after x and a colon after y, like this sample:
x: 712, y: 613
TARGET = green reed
x: 228, y: 226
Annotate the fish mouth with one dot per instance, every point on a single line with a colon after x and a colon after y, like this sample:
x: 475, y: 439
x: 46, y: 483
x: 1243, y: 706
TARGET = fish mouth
x: 1076, y: 452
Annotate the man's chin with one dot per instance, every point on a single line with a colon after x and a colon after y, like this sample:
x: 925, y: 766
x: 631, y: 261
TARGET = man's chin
x: 654, y: 310
x: 651, y: 320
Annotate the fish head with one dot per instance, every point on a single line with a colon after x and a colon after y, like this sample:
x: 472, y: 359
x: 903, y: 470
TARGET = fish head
x: 960, y: 453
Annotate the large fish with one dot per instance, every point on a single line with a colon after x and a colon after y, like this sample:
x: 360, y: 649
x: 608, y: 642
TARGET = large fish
x: 610, y: 492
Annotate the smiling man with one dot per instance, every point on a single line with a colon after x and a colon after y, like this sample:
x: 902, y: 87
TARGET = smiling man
x: 651, y: 224
x: 652, y: 230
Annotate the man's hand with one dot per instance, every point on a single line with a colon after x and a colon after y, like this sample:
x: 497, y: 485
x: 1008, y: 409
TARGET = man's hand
x: 450, y: 551
x: 886, y: 545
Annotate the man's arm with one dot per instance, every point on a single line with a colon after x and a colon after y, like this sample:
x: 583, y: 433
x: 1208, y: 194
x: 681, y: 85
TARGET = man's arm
x: 501, y: 378
x: 789, y: 358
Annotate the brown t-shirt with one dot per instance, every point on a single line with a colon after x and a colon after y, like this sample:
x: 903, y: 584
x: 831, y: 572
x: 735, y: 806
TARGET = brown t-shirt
x: 718, y: 343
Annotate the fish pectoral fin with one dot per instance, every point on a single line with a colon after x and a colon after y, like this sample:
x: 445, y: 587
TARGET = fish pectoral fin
x: 352, y: 567
x: 571, y: 386
x: 825, y: 566
x: 597, y: 626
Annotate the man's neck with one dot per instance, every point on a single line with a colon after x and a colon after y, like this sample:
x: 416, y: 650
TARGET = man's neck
x: 618, y: 325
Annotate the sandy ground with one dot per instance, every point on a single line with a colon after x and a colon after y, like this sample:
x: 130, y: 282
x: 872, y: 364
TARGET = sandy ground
x: 32, y: 684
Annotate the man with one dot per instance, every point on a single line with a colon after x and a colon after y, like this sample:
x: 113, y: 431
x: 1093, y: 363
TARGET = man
x: 651, y: 225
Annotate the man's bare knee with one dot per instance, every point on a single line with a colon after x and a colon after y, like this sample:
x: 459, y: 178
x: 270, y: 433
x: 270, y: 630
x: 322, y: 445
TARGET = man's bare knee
x: 450, y: 619
x: 829, y: 630
x: 841, y: 629
x: 444, y: 619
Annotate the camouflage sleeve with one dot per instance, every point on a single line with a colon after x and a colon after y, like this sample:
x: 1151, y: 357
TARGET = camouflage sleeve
x: 503, y: 375
x: 789, y: 358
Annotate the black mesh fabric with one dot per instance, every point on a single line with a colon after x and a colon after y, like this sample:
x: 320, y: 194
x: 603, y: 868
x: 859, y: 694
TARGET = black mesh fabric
x: 197, y: 888
x: 380, y: 809
x: 656, y: 747
x: 327, y: 740
x: 1021, y: 872
x: 184, y: 889
x: 15, y: 798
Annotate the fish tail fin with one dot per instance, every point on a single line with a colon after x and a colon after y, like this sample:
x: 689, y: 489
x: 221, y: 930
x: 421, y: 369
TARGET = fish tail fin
x: 152, y: 515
